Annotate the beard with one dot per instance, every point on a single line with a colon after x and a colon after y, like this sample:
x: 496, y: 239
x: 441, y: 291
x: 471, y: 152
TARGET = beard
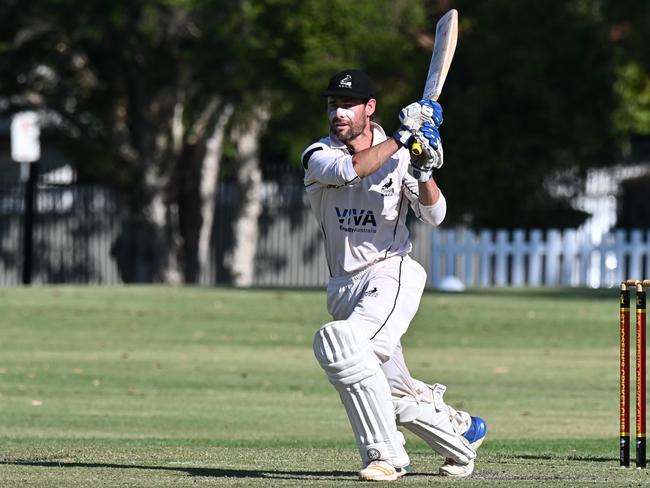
x: 354, y: 129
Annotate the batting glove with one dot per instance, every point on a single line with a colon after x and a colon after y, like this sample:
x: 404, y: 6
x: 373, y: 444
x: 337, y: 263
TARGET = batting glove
x: 414, y: 115
x: 404, y: 136
x: 431, y: 155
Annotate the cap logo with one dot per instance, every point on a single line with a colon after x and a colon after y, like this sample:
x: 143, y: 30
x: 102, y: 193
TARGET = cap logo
x: 350, y: 83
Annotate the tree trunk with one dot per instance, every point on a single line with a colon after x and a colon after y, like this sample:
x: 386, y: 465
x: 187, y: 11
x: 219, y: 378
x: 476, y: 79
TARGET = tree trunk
x: 162, y: 212
x: 149, y: 233
x: 197, y: 170
x: 249, y: 185
x: 208, y: 190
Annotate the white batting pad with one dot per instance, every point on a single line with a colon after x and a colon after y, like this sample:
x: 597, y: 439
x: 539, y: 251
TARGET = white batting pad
x: 461, y: 420
x: 437, y: 424
x: 346, y: 356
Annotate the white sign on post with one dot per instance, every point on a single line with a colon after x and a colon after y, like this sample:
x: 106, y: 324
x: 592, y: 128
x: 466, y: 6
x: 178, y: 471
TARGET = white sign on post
x: 25, y: 135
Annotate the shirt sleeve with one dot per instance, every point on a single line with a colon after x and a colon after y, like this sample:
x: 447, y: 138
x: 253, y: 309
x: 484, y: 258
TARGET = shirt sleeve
x: 328, y: 166
x: 431, y: 214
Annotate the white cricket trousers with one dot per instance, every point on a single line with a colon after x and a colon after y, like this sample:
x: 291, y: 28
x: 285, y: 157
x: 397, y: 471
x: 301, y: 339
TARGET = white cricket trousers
x: 383, y: 299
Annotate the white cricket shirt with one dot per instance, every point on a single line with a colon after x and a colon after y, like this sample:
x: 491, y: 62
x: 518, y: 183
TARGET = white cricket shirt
x: 363, y: 219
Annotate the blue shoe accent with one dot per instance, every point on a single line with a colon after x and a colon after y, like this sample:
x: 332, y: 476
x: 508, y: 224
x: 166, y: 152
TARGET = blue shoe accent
x: 476, y: 432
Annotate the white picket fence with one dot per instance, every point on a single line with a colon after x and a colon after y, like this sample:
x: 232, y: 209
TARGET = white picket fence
x: 538, y: 258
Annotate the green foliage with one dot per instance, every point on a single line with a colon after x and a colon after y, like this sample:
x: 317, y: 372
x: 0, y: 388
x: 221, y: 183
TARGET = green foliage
x: 327, y: 37
x: 529, y: 98
x: 630, y: 24
x: 633, y: 88
x: 529, y: 95
x: 536, y: 88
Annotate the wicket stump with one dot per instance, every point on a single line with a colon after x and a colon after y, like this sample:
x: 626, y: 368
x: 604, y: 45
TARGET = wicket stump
x: 640, y: 379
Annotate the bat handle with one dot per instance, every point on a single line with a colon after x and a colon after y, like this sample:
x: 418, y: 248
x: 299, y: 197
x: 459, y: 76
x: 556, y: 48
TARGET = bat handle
x: 416, y: 149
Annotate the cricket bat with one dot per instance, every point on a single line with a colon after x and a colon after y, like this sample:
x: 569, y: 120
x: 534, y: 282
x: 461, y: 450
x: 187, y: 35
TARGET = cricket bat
x: 444, y: 46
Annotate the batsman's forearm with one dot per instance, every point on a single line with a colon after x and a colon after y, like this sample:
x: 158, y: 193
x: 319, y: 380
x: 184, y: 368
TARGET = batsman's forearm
x: 369, y: 160
x: 433, y: 206
x: 429, y: 193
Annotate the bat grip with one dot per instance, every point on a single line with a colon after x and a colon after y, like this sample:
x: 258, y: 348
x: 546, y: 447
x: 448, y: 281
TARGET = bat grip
x: 416, y: 149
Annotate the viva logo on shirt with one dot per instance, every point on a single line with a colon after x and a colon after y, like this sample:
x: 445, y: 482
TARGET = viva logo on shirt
x: 356, y: 220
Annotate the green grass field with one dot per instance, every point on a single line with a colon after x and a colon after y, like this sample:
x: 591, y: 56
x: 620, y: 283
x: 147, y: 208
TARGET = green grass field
x: 175, y: 387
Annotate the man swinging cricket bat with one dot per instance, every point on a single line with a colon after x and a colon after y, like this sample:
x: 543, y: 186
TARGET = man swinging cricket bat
x: 360, y: 184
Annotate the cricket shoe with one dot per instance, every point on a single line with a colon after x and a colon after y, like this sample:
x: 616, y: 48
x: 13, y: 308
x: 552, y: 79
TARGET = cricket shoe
x: 381, y: 471
x: 474, y: 436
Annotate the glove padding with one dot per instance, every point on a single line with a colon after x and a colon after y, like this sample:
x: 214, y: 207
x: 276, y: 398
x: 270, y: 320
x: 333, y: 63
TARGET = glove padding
x: 414, y: 115
x: 404, y: 136
x: 431, y: 157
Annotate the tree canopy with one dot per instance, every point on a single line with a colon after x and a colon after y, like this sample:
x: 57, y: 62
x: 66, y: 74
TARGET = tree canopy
x: 529, y: 105
x: 538, y: 92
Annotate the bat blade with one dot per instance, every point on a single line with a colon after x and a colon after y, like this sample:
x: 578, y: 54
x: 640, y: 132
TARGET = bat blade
x: 443, y: 52
x: 444, y: 47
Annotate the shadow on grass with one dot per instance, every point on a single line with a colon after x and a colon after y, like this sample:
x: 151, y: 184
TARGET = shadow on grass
x: 334, y: 475
x: 549, y: 457
x: 339, y: 476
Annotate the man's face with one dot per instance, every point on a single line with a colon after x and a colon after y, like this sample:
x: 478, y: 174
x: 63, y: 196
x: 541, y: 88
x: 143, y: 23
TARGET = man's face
x: 348, y: 116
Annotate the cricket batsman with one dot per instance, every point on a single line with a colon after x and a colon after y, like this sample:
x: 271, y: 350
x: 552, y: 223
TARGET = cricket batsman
x: 360, y: 184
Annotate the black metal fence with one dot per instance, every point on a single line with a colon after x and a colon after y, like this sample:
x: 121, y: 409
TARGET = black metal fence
x: 77, y: 225
x: 73, y: 229
x: 289, y: 249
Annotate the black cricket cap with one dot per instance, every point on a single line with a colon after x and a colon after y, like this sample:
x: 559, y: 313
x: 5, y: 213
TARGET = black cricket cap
x: 350, y: 83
